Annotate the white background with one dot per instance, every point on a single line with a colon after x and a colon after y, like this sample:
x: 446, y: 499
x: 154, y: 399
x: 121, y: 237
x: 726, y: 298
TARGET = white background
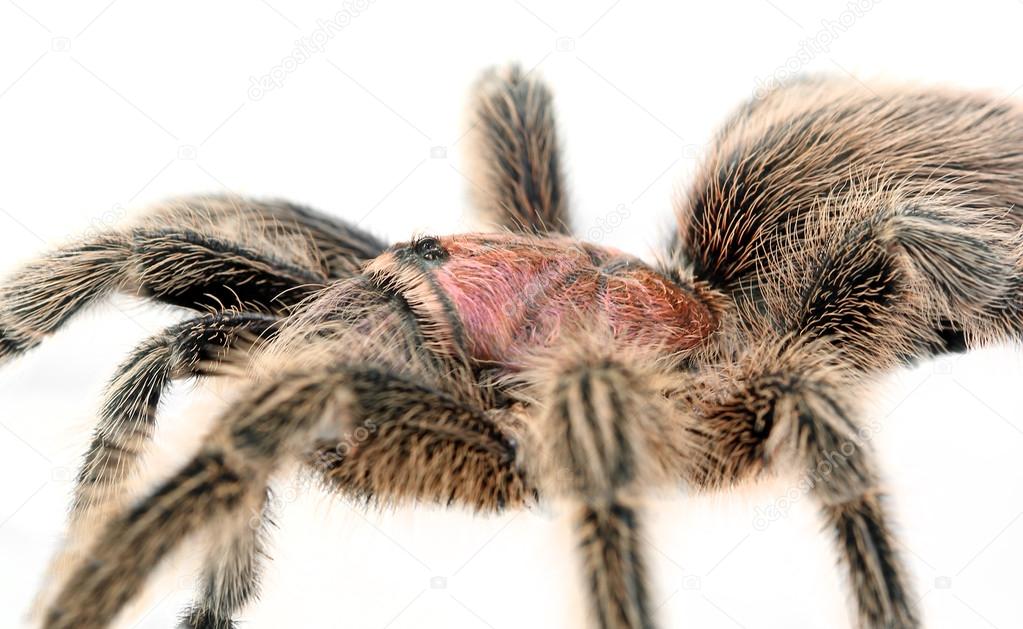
x: 105, y: 108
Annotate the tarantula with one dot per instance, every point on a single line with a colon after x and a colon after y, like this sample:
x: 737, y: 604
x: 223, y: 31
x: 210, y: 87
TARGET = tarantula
x: 834, y: 232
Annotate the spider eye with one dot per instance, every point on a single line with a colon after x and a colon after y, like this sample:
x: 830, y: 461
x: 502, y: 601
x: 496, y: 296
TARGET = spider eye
x: 429, y: 249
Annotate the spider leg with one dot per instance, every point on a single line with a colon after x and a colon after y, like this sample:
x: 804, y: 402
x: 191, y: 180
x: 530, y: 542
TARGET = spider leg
x: 866, y: 546
x: 341, y: 246
x: 515, y: 154
x: 851, y: 307
x: 599, y: 419
x: 190, y: 349
x: 430, y: 446
x: 202, y: 254
x: 182, y: 268
x: 971, y: 265
x: 845, y: 300
x: 792, y: 406
x: 230, y: 577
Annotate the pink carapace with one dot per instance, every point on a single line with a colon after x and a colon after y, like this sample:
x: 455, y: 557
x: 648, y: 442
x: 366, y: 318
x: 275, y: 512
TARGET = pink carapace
x: 508, y: 295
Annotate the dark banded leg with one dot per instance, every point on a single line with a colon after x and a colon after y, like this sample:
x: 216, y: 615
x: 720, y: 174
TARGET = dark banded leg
x: 515, y: 154
x: 846, y: 485
x: 595, y: 435
x: 191, y: 349
x: 183, y: 268
x: 340, y: 246
x: 453, y: 448
x: 837, y: 461
x: 204, y: 253
x: 794, y: 408
x: 868, y: 291
x: 883, y: 598
x: 230, y: 578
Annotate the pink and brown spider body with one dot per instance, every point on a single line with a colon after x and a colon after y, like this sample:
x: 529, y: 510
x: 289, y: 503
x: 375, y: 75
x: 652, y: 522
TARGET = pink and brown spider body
x: 834, y: 232
x: 505, y: 296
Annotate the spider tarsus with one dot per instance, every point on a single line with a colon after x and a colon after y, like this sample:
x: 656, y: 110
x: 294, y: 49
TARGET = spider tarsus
x: 198, y: 618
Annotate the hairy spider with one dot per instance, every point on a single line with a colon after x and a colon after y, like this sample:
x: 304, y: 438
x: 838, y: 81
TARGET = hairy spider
x: 832, y: 234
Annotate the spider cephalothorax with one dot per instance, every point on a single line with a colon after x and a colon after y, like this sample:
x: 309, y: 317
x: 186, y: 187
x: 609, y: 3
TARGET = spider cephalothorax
x: 504, y: 295
x: 834, y: 232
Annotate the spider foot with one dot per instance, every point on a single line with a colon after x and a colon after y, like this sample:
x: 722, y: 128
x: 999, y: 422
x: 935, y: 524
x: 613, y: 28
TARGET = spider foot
x: 201, y: 618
